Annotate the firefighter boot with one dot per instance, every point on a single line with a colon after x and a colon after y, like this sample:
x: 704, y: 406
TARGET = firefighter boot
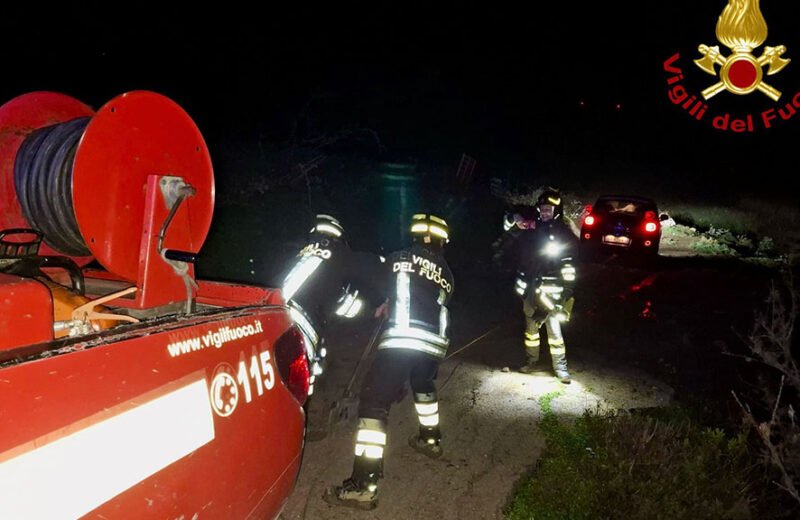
x: 428, y: 442
x: 532, y: 352
x: 560, y: 367
x: 353, y: 494
x: 360, y: 490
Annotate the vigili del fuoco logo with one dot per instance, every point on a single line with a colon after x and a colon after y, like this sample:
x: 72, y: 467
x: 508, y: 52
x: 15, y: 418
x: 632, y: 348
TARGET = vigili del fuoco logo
x: 741, y: 28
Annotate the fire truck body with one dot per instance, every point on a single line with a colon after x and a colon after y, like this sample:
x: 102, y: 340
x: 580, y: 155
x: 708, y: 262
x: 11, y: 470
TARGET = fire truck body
x: 189, y: 404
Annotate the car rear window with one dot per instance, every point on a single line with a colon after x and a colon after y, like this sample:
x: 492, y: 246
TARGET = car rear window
x: 630, y: 207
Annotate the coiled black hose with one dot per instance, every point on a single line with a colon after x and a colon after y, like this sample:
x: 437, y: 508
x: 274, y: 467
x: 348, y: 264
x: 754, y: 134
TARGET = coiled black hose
x: 43, y: 181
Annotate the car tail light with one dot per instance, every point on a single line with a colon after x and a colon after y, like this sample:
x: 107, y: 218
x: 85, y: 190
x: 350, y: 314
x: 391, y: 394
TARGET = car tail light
x: 650, y: 222
x: 589, y: 220
x: 290, y: 356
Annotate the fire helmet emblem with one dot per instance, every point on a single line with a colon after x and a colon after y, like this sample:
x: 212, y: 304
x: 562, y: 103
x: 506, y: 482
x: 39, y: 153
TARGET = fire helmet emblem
x: 741, y: 27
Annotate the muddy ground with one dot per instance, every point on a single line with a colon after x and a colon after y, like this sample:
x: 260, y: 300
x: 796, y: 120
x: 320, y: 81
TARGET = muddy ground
x: 640, y: 337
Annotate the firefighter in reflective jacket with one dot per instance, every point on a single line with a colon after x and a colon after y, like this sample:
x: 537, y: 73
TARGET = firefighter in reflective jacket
x: 545, y: 283
x: 410, y: 348
x: 327, y: 279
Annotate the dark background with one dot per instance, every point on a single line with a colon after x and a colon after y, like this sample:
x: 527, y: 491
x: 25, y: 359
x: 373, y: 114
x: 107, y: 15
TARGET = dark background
x: 559, y: 89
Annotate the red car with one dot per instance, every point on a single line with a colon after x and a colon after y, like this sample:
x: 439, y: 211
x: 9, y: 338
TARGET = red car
x: 620, y: 224
x: 132, y: 390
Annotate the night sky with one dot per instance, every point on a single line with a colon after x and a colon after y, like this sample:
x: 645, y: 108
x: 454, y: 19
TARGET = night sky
x: 568, y: 88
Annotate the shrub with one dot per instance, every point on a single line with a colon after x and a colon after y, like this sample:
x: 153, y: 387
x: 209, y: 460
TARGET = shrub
x: 712, y: 247
x: 773, y: 419
x: 610, y: 465
x: 750, y: 222
x: 714, y: 220
x: 767, y: 247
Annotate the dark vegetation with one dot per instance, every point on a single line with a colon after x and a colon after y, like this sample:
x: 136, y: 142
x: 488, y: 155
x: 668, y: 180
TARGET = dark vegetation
x: 622, y: 465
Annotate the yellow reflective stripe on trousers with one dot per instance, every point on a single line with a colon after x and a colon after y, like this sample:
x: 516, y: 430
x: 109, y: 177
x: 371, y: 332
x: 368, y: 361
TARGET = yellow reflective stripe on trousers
x: 370, y: 439
x: 428, y: 413
x: 369, y: 451
x: 429, y: 420
x: 426, y: 408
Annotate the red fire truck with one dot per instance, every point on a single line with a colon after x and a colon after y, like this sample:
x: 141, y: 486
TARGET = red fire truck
x: 128, y: 388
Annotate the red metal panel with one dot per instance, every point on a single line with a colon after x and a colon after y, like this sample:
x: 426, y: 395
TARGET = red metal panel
x: 228, y: 294
x: 158, y: 282
x: 18, y: 119
x: 256, y: 447
x: 26, y: 312
x: 131, y: 137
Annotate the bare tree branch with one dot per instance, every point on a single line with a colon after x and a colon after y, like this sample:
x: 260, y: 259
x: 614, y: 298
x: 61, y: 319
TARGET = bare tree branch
x: 770, y: 343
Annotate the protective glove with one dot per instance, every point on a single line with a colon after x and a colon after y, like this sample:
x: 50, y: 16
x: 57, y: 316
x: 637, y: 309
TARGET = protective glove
x: 563, y: 312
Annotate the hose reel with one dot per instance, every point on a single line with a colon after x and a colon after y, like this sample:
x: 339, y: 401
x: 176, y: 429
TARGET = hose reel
x: 89, y: 182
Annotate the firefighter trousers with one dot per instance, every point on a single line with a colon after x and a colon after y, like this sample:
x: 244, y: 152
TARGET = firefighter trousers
x: 385, y: 384
x: 537, y: 317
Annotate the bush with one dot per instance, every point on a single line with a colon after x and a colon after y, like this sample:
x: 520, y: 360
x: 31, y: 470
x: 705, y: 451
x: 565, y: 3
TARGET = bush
x: 611, y: 465
x: 747, y: 224
x: 773, y: 415
x: 714, y: 220
x: 767, y: 247
x: 712, y: 247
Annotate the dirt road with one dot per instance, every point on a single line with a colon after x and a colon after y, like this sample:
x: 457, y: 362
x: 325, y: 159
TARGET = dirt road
x: 489, y: 420
x: 489, y: 416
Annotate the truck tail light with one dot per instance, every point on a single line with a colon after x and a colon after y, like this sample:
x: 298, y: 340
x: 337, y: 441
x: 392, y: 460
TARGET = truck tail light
x: 290, y: 356
x: 651, y: 227
x: 589, y: 220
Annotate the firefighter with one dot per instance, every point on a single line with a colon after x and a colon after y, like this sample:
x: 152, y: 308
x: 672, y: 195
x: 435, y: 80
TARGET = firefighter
x: 327, y: 280
x: 546, y: 276
x: 410, y: 349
